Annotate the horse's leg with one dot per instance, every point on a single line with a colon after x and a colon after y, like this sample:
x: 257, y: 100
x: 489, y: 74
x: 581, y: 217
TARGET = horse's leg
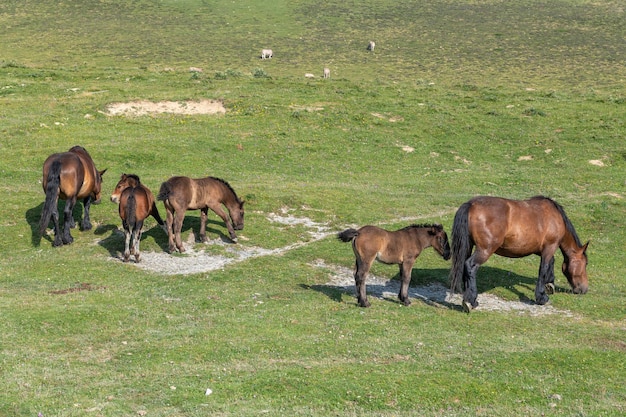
x: 55, y: 220
x: 127, y: 237
x: 66, y: 237
x: 169, y: 226
x: 469, y: 279
x: 549, y: 280
x: 179, y: 216
x: 137, y: 238
x: 546, y: 269
x: 229, y: 225
x: 362, y: 268
x: 86, y: 225
x: 405, y: 274
x: 203, y: 219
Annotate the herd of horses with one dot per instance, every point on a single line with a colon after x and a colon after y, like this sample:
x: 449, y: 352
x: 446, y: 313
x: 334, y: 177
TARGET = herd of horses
x: 482, y: 226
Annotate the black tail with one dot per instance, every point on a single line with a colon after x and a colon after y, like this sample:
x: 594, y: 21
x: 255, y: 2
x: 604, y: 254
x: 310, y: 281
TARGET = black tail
x: 165, y: 191
x: 131, y: 206
x: 461, y: 246
x: 52, y: 193
x: 347, y: 235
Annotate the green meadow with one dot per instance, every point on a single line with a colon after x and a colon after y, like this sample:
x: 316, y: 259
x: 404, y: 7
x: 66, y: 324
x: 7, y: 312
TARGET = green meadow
x: 458, y: 99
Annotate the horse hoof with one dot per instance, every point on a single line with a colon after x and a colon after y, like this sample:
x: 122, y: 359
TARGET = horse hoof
x: 550, y: 288
x: 467, y: 307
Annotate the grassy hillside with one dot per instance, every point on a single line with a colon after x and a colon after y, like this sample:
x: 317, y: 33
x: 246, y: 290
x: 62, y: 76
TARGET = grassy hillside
x: 459, y: 98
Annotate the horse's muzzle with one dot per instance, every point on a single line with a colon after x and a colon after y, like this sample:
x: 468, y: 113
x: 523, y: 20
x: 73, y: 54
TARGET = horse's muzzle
x: 238, y: 226
x: 581, y: 289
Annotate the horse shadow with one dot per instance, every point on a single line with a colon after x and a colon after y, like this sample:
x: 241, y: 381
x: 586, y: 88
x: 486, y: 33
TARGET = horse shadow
x: 432, y: 286
x: 33, y: 216
x: 114, y: 242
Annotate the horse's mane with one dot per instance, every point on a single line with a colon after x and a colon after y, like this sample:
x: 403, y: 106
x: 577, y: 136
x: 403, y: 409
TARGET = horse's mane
x: 423, y: 226
x: 568, y: 224
x: 134, y: 177
x: 227, y: 185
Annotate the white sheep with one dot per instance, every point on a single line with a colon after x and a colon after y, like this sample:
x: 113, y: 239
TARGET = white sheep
x: 266, y: 53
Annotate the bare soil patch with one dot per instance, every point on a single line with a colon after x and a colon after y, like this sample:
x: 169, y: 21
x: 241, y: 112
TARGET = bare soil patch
x: 195, y: 261
x: 144, y: 107
x: 436, y: 294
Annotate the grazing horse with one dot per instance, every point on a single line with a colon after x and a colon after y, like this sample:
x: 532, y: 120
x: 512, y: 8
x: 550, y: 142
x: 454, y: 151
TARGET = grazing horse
x: 515, y: 229
x: 70, y: 176
x: 180, y: 194
x: 401, y: 247
x: 136, y: 204
x: 266, y: 53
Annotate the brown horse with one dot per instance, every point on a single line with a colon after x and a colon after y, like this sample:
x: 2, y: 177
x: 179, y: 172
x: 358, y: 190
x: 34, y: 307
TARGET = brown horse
x: 400, y: 247
x: 180, y: 194
x: 136, y: 204
x: 70, y: 176
x: 515, y: 229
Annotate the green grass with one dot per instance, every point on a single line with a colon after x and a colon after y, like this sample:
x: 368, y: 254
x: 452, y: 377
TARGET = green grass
x: 495, y: 98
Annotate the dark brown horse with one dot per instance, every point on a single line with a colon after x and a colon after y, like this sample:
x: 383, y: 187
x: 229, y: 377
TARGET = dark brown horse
x: 136, y: 204
x: 180, y: 194
x: 515, y: 229
x: 400, y: 247
x: 69, y: 176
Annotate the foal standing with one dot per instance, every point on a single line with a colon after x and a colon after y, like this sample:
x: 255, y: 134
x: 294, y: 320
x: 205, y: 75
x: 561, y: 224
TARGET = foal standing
x: 401, y: 247
x: 136, y: 204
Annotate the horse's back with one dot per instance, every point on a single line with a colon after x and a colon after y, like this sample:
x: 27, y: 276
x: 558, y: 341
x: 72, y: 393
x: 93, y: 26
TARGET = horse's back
x: 514, y: 228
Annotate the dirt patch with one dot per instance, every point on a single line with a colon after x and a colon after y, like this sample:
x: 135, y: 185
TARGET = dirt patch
x: 195, y: 261
x: 143, y: 107
x: 434, y: 294
x: 80, y: 286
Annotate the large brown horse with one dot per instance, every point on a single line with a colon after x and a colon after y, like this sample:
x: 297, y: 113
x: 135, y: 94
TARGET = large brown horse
x: 180, y: 194
x: 69, y: 176
x: 515, y: 229
x: 136, y: 204
x: 401, y: 247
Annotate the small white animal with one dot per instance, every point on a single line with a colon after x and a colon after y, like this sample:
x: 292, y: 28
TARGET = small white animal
x: 309, y: 75
x: 326, y: 73
x: 371, y: 46
x: 266, y: 53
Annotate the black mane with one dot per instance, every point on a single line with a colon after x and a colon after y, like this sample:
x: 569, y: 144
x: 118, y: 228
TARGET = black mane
x: 423, y: 226
x: 227, y: 186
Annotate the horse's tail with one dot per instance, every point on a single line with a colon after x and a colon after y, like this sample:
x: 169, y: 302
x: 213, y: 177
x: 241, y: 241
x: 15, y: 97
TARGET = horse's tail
x: 461, y: 246
x: 347, y: 235
x: 164, y: 191
x: 131, y: 209
x: 52, y: 192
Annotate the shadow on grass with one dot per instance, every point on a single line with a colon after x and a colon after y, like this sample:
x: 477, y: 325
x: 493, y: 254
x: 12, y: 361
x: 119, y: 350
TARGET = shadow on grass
x: 114, y: 243
x: 33, y: 216
x: 431, y: 286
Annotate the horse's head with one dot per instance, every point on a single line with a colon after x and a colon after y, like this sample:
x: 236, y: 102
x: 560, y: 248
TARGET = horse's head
x: 126, y: 180
x: 575, y: 269
x: 236, y: 215
x: 440, y: 241
x: 97, y: 187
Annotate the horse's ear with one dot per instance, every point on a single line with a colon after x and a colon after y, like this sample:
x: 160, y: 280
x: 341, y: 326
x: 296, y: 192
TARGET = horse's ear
x: 102, y: 172
x: 585, y: 247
